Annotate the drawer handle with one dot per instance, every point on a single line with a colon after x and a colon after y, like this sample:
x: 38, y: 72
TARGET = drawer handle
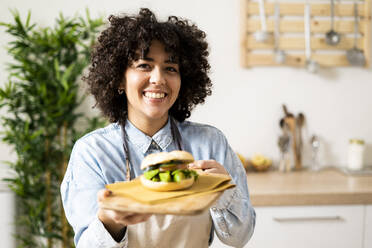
x: 312, y: 218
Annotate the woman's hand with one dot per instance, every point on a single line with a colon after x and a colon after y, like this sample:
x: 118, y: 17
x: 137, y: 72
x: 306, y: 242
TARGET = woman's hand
x: 116, y: 221
x: 208, y: 166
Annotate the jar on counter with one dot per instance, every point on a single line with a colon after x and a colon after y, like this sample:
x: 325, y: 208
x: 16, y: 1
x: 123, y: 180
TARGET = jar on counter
x: 355, y: 154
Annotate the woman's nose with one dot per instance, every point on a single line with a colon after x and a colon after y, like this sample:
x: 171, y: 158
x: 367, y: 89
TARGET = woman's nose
x: 157, y: 76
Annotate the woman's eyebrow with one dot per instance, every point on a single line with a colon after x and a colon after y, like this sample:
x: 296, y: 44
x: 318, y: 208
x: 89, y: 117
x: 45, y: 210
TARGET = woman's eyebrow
x: 170, y: 60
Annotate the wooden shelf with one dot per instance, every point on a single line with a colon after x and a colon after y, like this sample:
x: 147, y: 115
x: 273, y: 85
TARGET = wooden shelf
x: 291, y: 33
x: 297, y: 9
x: 298, y: 43
x: 327, y: 60
x: 297, y: 26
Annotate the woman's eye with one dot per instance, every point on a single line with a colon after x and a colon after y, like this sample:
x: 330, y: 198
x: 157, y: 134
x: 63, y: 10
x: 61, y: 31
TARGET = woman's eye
x: 143, y: 66
x: 171, y: 69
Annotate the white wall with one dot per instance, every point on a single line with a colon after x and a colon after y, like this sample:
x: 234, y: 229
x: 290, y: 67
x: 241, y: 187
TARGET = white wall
x: 246, y: 103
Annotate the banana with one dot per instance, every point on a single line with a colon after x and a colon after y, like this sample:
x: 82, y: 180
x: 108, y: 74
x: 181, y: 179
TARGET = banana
x: 261, y: 160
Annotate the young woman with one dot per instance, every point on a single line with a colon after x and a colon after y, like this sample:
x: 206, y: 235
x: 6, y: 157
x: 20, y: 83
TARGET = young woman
x: 146, y: 77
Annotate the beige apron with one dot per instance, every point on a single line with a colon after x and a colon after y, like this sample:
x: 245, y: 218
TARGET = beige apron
x: 171, y: 231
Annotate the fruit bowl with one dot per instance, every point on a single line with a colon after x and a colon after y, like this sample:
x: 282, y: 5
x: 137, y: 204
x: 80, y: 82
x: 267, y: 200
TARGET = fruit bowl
x: 261, y: 163
x: 264, y: 167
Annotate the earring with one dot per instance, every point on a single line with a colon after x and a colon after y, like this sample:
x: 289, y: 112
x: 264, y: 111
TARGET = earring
x: 120, y: 91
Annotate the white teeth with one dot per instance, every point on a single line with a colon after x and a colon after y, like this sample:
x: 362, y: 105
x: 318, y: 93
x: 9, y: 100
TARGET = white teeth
x: 154, y: 95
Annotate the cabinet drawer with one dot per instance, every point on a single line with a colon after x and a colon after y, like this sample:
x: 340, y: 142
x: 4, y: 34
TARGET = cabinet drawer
x: 309, y: 226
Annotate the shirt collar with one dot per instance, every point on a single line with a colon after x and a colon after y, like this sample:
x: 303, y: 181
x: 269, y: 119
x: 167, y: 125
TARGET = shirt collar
x: 142, y: 141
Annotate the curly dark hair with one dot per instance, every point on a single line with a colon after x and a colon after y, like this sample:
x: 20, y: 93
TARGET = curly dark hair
x: 118, y: 47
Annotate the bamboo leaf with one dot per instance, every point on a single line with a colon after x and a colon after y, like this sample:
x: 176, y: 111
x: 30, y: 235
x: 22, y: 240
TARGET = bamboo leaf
x: 66, y: 75
x: 28, y: 19
x: 36, y: 134
x: 56, y: 69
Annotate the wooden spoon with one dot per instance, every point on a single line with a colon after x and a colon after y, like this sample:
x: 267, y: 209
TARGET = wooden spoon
x: 286, y: 112
x: 291, y: 122
x: 300, y: 123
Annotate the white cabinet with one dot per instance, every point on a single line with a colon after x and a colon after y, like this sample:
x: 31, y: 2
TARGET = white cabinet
x: 340, y: 226
x: 309, y: 226
x: 368, y: 227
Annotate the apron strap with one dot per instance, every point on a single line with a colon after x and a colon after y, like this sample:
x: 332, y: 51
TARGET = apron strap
x: 128, y: 173
x: 176, y: 134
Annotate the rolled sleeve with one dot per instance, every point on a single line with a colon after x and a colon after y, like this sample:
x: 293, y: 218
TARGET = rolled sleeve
x: 96, y: 235
x: 234, y: 218
x: 233, y: 215
x: 79, y: 190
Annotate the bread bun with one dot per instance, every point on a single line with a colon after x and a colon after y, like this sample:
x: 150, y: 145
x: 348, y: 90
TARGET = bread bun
x: 167, y: 186
x: 166, y: 157
x: 167, y: 171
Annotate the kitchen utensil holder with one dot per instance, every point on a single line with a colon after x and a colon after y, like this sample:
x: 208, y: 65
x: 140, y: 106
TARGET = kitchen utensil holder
x: 291, y: 35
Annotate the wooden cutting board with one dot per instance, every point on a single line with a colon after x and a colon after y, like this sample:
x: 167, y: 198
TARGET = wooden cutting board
x: 187, y: 205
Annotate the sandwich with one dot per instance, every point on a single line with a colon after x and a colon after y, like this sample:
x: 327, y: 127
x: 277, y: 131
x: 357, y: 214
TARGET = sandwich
x: 167, y: 171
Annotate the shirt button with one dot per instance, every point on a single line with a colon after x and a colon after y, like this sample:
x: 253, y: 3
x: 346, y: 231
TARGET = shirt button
x: 214, y: 209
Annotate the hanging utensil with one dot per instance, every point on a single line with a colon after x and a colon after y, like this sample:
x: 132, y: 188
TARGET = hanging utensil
x: 262, y: 35
x: 280, y: 55
x: 355, y: 56
x: 332, y: 37
x: 311, y: 65
x: 284, y: 145
x: 315, y: 144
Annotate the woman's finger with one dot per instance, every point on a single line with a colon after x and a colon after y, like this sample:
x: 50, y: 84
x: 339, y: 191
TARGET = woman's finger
x: 136, y: 218
x: 208, y: 166
x: 121, y: 217
x: 103, y: 193
x: 213, y: 170
x: 201, y: 164
x: 146, y: 217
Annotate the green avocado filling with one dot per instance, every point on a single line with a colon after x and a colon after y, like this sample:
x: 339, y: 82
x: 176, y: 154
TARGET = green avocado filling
x: 154, y: 174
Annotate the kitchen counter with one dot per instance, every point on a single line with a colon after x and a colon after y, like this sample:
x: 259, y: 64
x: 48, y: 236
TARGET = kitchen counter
x: 326, y: 187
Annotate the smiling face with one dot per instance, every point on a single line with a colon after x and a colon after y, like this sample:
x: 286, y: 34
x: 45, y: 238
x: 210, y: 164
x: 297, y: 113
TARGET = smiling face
x: 151, y: 85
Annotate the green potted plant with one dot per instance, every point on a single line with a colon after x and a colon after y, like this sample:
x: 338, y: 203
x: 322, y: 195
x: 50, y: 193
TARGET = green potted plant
x: 41, y: 98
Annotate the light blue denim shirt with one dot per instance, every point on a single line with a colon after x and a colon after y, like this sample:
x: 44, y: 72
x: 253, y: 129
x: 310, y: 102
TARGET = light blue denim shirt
x: 98, y: 158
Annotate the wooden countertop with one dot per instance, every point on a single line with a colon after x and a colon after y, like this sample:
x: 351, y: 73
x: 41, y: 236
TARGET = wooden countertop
x: 326, y: 187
